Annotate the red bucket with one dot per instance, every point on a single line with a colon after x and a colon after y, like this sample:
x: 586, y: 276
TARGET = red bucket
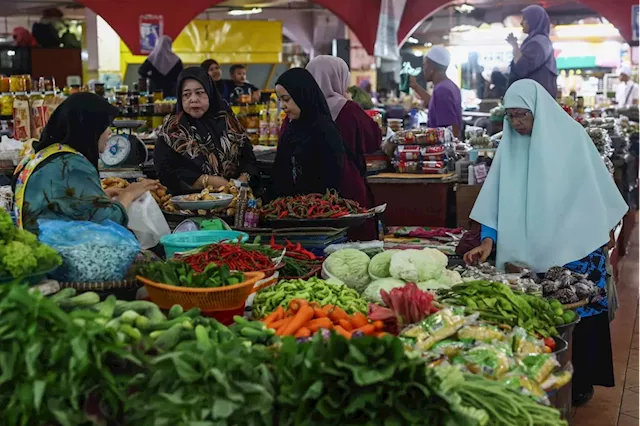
x: 225, y: 316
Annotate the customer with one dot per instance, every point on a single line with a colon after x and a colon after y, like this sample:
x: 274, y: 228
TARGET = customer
x: 162, y: 68
x: 61, y: 181
x: 361, y: 135
x: 23, y: 38
x: 215, y: 72
x: 549, y: 200
x: 498, y: 85
x: 48, y: 30
x: 239, y: 85
x: 627, y: 90
x: 535, y: 58
x: 310, y: 156
x: 203, y: 144
x: 445, y: 105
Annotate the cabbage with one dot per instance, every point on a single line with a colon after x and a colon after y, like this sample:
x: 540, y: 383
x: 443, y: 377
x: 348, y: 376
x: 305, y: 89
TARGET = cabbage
x: 379, y: 266
x: 372, y: 292
x: 453, y: 276
x: 439, y: 257
x: 350, y: 266
x: 416, y: 265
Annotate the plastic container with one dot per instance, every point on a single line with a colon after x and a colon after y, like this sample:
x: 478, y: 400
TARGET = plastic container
x: 185, y: 241
x: 207, y: 299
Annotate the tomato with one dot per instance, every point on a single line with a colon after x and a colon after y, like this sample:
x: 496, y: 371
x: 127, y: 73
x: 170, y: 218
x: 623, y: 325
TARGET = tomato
x: 551, y: 343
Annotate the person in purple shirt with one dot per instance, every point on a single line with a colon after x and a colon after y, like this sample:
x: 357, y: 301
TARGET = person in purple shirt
x: 535, y: 59
x: 445, y: 105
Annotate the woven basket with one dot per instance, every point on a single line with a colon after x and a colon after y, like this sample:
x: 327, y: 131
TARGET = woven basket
x: 101, y: 286
x: 209, y: 299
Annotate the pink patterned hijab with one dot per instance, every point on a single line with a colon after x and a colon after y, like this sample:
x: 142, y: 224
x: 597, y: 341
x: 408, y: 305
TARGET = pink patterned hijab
x: 332, y: 75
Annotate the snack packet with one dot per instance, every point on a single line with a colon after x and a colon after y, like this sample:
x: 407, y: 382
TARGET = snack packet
x: 539, y: 366
x: 444, y: 323
x: 490, y: 361
x: 481, y: 332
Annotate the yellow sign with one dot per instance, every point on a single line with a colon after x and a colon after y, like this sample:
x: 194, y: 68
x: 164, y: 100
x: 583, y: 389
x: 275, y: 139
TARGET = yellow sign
x: 227, y: 42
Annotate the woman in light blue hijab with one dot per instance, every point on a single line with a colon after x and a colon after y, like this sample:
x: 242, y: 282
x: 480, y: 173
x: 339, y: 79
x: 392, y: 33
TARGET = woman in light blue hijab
x: 549, y: 200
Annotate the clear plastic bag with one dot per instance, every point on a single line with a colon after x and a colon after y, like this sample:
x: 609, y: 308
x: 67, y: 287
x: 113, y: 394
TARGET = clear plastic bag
x: 91, y: 252
x: 147, y: 221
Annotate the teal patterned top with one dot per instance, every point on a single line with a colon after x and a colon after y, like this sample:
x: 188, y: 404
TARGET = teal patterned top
x: 68, y: 187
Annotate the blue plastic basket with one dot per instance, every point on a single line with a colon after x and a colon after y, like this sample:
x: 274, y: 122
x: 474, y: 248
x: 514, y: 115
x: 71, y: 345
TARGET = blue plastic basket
x: 185, y: 241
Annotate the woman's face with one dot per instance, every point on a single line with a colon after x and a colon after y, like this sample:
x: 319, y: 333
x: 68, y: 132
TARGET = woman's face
x: 520, y: 119
x: 102, y: 141
x: 525, y: 26
x: 195, y: 100
x: 215, y: 72
x: 287, y: 103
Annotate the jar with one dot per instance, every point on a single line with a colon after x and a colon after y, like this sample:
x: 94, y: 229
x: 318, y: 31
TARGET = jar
x: 27, y: 82
x: 5, y: 86
x: 6, y: 104
x: 17, y: 84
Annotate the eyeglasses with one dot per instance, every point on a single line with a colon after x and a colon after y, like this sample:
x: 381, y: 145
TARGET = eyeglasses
x: 517, y: 116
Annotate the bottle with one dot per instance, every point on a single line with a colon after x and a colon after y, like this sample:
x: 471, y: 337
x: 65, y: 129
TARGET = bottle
x: 472, y: 176
x: 241, y: 207
x: 252, y: 215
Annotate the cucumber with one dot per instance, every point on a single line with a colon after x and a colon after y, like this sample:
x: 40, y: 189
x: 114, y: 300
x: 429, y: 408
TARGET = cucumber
x: 175, y: 311
x: 81, y: 301
x: 131, y: 332
x: 202, y: 337
x: 142, y: 307
x: 142, y: 322
x: 63, y: 294
x: 168, y: 324
x: 129, y: 317
x: 169, y: 338
x: 108, y: 306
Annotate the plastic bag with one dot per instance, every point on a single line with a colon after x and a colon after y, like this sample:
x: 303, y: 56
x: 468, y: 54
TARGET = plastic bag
x: 147, y: 221
x: 91, y: 252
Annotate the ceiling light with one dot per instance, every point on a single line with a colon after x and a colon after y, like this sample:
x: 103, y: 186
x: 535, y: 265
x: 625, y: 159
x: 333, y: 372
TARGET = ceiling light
x: 240, y: 12
x: 428, y: 44
x: 464, y: 8
x: 11, y: 53
x: 412, y: 40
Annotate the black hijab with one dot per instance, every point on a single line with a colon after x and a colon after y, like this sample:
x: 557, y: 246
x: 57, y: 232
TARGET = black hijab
x: 78, y: 122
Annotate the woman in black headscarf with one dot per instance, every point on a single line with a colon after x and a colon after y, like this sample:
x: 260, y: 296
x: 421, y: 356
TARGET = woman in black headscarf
x: 203, y: 144
x: 311, y: 152
x: 60, y: 180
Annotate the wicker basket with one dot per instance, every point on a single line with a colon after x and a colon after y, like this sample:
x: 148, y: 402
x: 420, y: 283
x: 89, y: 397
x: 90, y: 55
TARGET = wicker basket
x: 209, y: 299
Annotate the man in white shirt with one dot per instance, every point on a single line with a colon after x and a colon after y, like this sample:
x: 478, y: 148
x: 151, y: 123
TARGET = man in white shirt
x: 627, y: 90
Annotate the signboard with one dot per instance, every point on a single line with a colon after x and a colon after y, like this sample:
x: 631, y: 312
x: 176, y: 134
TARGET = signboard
x: 151, y: 27
x: 635, y: 13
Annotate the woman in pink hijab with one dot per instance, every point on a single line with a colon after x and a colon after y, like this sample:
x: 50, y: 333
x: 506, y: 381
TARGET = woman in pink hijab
x: 360, y: 133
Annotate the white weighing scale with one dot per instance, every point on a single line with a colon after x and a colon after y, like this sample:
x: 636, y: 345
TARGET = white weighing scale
x: 124, y: 149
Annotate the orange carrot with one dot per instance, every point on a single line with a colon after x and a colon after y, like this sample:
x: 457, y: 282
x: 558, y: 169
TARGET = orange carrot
x: 358, y: 320
x: 319, y: 313
x: 337, y: 314
x: 304, y: 315
x: 296, y: 304
x: 285, y: 323
x: 343, y: 332
x: 318, y: 323
x: 315, y: 305
x: 276, y: 315
x: 379, y: 334
x: 303, y: 332
x: 345, y: 324
x: 379, y: 325
x: 367, y: 330
x: 277, y: 324
x: 327, y: 309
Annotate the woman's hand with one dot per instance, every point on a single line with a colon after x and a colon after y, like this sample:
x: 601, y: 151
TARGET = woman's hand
x: 136, y: 190
x: 512, y: 40
x: 113, y: 192
x: 479, y: 254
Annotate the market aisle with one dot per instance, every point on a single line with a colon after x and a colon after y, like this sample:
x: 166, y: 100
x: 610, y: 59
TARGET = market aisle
x: 618, y: 406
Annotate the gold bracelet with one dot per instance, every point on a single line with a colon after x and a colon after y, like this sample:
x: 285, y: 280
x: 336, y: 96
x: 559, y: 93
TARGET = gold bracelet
x: 246, y: 175
x: 204, y: 180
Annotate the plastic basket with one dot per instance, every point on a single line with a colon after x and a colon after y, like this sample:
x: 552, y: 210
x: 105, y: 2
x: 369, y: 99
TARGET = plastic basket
x: 218, y: 298
x: 185, y: 241
x: 225, y: 316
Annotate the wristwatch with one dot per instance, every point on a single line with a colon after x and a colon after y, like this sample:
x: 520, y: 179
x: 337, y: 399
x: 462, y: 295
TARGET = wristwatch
x: 246, y: 175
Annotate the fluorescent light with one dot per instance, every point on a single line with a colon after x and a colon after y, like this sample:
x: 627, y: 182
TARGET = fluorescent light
x: 239, y: 12
x: 412, y: 40
x: 11, y: 53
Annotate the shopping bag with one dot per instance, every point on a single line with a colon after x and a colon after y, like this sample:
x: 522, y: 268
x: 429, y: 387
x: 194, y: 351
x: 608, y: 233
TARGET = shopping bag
x: 147, y: 221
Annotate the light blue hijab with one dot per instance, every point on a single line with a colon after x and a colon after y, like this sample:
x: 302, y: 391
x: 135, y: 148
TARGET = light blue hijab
x: 549, y: 195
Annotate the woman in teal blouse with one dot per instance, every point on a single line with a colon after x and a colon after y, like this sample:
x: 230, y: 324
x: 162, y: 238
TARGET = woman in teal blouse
x: 60, y: 180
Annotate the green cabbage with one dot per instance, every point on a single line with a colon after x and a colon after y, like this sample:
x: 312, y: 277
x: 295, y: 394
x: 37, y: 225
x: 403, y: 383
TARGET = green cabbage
x: 372, y: 292
x: 350, y: 266
x: 379, y: 266
x: 417, y: 265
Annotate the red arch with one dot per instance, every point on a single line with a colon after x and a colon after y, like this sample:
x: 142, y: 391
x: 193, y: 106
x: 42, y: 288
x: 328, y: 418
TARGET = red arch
x: 618, y: 12
x: 361, y: 16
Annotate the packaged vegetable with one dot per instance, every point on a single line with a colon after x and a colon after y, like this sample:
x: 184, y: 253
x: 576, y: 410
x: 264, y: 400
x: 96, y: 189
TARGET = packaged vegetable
x: 484, y: 333
x: 516, y: 380
x: 436, y: 327
x: 539, y: 366
x: 557, y: 379
x: 449, y: 347
x: 524, y: 344
x: 489, y: 361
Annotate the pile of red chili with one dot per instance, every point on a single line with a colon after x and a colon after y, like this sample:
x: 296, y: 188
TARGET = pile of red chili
x: 311, y: 206
x: 232, y: 255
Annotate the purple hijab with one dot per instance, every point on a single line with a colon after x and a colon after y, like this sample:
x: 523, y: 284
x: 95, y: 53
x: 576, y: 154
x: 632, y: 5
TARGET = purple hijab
x: 539, y: 30
x: 332, y: 75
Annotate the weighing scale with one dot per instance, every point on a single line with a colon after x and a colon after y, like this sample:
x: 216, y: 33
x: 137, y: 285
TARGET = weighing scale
x: 201, y: 224
x: 124, y: 149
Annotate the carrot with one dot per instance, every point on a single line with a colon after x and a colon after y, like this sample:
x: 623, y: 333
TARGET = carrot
x: 379, y: 334
x: 379, y: 325
x: 278, y: 324
x: 327, y: 309
x: 358, y: 320
x: 315, y: 305
x: 276, y: 315
x: 367, y: 330
x: 318, y: 323
x: 343, y: 332
x: 319, y: 313
x: 303, y: 332
x: 337, y: 314
x: 283, y: 325
x: 345, y: 324
x: 296, y: 304
x: 304, y: 314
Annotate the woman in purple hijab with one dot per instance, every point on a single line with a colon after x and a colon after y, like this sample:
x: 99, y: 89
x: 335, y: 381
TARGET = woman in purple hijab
x: 535, y: 59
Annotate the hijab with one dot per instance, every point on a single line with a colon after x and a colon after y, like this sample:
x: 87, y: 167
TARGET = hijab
x: 332, y: 75
x: 23, y: 37
x: 78, y: 122
x: 549, y: 195
x: 539, y: 30
x: 215, y: 139
x: 162, y: 57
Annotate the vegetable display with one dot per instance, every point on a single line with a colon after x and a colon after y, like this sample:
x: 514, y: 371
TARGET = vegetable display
x: 311, y: 206
x: 566, y: 286
x: 297, y: 261
x: 235, y: 256
x: 312, y: 290
x: 20, y: 252
x: 182, y: 274
x: 351, y: 266
x: 405, y: 305
x: 498, y: 303
x: 303, y: 320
